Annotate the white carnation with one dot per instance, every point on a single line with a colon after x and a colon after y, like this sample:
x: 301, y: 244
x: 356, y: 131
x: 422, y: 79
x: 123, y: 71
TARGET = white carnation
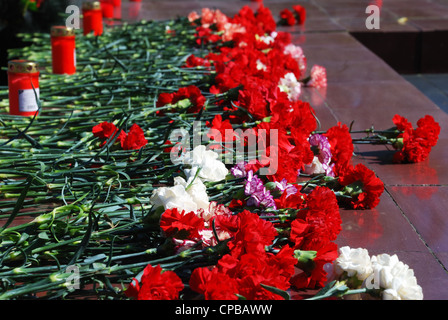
x: 182, y: 196
x: 396, y: 278
x: 291, y: 86
x: 212, y: 169
x: 315, y: 167
x: 173, y: 197
x: 196, y: 190
x: 355, y: 262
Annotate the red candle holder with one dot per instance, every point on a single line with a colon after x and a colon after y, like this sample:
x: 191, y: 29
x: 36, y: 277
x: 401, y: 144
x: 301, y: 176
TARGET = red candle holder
x: 23, y: 85
x: 117, y: 9
x: 107, y: 8
x: 92, y: 18
x: 134, y: 9
x: 63, y: 50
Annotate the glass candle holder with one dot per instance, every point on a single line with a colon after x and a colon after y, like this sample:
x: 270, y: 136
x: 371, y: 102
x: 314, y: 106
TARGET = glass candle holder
x: 23, y: 85
x: 92, y: 18
x: 63, y: 50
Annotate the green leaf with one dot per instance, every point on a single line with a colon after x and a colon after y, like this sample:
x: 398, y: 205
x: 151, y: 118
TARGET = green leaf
x: 325, y: 289
x: 95, y: 258
x: 282, y: 293
x: 332, y: 289
x: 43, y: 235
x: 19, y: 203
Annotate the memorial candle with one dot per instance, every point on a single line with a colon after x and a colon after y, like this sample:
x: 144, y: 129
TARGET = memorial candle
x: 107, y: 8
x: 23, y: 85
x: 63, y: 50
x: 92, y: 18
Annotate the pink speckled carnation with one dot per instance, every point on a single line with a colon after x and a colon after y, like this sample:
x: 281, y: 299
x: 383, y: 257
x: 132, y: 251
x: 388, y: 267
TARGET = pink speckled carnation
x: 318, y: 77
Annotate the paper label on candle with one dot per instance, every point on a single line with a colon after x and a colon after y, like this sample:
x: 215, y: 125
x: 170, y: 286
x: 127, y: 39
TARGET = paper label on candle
x: 27, y: 100
x: 74, y: 57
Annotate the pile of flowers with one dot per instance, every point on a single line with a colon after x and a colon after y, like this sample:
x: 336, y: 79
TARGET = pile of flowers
x: 217, y: 223
x: 262, y: 73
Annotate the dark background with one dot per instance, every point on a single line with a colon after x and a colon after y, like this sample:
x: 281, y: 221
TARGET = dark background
x: 15, y: 19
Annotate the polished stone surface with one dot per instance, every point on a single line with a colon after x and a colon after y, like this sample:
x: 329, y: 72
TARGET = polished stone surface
x: 434, y: 86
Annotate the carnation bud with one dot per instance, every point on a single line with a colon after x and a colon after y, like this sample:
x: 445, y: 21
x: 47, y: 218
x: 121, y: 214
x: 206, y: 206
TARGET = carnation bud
x: 18, y: 271
x: 398, y: 144
x: 43, y: 218
x: 305, y: 259
x: 304, y: 256
x: 353, y: 189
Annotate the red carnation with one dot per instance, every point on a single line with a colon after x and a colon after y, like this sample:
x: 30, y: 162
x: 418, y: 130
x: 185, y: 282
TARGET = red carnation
x: 253, y: 234
x: 300, y: 13
x: 287, y: 17
x: 253, y: 270
x: 104, y: 130
x: 191, y: 93
x: 265, y: 20
x: 284, y: 261
x: 245, y: 275
x: 299, y: 117
x: 317, y: 224
x: 107, y: 130
x: 341, y: 147
x: 213, y: 284
x: 428, y: 130
x: 416, y: 143
x: 364, y: 187
x: 181, y: 225
x: 401, y: 123
x: 250, y: 233
x: 193, y: 61
x: 323, y: 214
x: 318, y: 221
x: 164, y: 99
x: 221, y: 130
x: 284, y: 156
x: 254, y: 102
x: 293, y: 200
x: 205, y: 35
x: 156, y: 284
x: 135, y: 138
